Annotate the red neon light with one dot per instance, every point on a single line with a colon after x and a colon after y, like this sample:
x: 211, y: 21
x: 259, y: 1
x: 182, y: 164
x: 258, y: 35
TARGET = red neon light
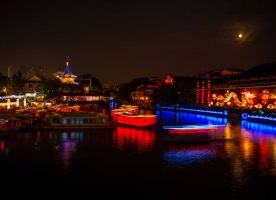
x: 169, y: 80
x: 202, y: 92
x: 197, y: 92
x: 136, y: 121
x: 209, y: 92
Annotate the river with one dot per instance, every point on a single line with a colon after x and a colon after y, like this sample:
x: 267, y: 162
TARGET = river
x: 127, y: 163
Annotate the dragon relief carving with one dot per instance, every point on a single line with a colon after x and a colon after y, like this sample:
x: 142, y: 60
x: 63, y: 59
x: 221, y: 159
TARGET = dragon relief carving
x: 246, y: 99
x: 231, y: 98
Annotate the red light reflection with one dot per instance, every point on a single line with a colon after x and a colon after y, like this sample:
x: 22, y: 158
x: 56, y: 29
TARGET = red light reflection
x: 264, y: 153
x: 124, y: 137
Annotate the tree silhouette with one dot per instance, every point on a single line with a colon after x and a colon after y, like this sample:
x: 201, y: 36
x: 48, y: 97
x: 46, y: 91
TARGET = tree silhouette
x: 17, y: 82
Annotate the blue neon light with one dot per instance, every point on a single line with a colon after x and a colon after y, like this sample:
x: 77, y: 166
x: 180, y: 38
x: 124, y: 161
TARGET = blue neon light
x: 185, y: 118
x: 224, y: 113
x: 247, y: 116
x: 244, y: 116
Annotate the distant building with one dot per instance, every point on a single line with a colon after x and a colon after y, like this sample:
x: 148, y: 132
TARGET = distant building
x: 81, y: 97
x: 169, y: 80
x: 253, y: 89
x: 67, y: 77
x: 144, y: 91
x: 219, y: 73
x: 32, y: 83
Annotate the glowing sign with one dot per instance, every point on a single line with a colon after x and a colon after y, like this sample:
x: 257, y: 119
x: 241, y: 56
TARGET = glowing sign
x: 247, y: 116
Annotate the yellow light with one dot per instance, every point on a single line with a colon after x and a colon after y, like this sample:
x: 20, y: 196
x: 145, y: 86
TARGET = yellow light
x: 240, y: 35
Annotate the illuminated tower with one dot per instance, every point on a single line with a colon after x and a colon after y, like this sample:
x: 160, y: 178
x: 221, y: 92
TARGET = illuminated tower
x: 67, y: 77
x: 209, y: 92
x: 197, y: 92
x: 202, y: 92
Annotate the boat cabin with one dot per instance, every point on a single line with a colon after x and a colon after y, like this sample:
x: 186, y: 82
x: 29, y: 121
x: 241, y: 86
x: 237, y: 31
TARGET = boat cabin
x: 78, y: 119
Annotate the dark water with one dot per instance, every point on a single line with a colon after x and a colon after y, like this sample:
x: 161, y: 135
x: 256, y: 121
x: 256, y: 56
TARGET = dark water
x: 239, y: 163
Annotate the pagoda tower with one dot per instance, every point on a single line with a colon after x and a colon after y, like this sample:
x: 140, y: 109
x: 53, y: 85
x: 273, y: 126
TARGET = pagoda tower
x: 67, y: 77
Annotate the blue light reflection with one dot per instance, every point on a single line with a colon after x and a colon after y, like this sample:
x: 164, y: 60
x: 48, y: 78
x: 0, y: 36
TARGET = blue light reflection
x: 182, y: 118
x: 181, y: 158
x: 258, y: 127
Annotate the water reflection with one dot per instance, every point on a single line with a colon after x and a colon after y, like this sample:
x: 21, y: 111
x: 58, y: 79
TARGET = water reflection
x: 183, y: 156
x: 259, y: 128
x: 245, y: 147
x: 4, y: 147
x: 66, y: 144
x: 240, y: 157
x: 131, y: 138
x: 263, y: 142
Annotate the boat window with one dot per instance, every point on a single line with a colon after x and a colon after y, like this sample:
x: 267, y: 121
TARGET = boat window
x: 85, y: 121
x: 66, y: 121
x: 92, y: 121
x: 55, y: 120
x: 75, y: 121
x: 104, y: 120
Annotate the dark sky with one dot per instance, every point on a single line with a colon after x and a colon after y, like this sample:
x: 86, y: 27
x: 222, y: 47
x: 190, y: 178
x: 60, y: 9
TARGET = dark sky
x: 120, y: 40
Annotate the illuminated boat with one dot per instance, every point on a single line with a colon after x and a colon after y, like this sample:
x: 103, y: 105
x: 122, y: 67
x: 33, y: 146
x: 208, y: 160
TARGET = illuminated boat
x: 146, y: 120
x: 15, y: 121
x: 127, y: 109
x: 12, y: 123
x: 77, y: 120
x: 188, y: 134
x: 192, y: 128
x: 127, y: 115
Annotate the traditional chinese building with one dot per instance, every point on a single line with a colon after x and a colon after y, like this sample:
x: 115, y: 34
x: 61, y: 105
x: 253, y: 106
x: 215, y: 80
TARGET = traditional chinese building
x: 67, y: 77
x: 143, y: 92
x: 254, y: 89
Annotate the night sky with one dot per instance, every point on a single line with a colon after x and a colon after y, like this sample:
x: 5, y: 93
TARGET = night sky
x: 120, y: 40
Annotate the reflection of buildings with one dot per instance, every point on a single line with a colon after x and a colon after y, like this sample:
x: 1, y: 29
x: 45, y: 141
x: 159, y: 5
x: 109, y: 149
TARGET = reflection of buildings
x: 140, y: 139
x: 66, y: 145
x: 256, y: 147
x: 4, y: 147
x: 183, y: 156
x: 253, y: 89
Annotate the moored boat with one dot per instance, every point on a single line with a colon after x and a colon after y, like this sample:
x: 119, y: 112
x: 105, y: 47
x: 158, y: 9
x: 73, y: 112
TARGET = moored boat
x: 77, y: 120
x: 185, y: 129
x: 146, y: 120
x: 128, y: 115
x: 188, y: 134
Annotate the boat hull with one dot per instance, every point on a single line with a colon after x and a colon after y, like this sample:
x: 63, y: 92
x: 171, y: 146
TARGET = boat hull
x: 138, y: 121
